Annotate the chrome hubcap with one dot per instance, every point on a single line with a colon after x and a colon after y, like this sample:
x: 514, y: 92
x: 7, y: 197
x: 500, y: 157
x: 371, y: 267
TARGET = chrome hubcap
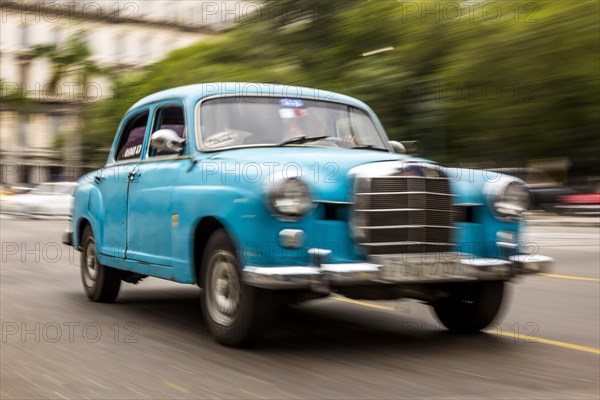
x: 223, y: 288
x: 90, y: 265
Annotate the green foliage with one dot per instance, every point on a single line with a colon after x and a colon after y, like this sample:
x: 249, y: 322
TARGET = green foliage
x: 71, y: 58
x: 503, y: 87
x: 16, y: 97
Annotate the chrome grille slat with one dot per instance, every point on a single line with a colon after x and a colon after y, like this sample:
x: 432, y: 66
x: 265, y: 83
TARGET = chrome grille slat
x: 406, y: 227
x: 405, y: 209
x: 391, y: 177
x: 416, y: 248
x: 405, y: 214
x: 403, y: 193
x: 406, y: 244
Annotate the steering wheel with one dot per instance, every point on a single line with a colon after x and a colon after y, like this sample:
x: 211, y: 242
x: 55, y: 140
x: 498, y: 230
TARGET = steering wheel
x: 339, y: 142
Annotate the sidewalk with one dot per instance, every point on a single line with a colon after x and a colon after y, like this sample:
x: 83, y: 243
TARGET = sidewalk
x: 548, y: 219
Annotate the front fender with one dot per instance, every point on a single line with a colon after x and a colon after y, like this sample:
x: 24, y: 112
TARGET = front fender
x: 479, y: 236
x: 87, y: 205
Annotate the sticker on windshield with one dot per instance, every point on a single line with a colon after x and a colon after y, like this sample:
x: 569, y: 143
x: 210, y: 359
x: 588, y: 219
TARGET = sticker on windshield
x: 291, y: 103
x: 220, y: 139
x: 287, y: 113
x: 301, y: 112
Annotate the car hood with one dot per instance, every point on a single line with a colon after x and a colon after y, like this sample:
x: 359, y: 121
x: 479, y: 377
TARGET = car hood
x: 325, y: 170
x: 308, y: 155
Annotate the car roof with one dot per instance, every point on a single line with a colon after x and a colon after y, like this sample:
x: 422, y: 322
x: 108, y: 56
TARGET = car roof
x: 193, y: 93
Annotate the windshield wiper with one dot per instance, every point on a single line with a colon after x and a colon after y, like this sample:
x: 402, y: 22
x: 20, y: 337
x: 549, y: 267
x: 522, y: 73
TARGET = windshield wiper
x: 302, y: 140
x: 370, y: 147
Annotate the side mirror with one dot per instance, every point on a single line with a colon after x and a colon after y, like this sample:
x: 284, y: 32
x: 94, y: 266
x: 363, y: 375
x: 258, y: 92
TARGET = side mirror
x: 413, y: 147
x: 167, y: 141
x: 397, y: 147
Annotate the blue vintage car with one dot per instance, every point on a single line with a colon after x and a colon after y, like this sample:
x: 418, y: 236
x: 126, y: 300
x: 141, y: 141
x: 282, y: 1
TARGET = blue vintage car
x: 264, y: 194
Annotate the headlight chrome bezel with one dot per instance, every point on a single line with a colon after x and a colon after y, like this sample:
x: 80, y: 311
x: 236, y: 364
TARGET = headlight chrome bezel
x: 277, y: 192
x: 505, y: 205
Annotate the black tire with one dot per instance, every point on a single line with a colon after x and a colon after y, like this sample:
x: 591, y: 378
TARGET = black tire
x: 100, y: 283
x: 236, y: 313
x: 471, y: 306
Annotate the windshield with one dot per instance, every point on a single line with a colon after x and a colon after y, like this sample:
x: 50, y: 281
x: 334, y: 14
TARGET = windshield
x: 270, y: 121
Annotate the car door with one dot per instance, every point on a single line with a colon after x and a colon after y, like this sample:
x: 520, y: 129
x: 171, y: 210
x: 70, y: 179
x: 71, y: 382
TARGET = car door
x: 151, y: 217
x: 113, y: 183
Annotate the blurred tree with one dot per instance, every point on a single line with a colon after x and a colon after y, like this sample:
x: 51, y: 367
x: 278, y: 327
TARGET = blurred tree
x: 496, y: 82
x: 71, y: 60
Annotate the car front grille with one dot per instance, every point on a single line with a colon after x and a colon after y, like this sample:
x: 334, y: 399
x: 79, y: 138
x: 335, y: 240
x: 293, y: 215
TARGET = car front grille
x: 408, y: 211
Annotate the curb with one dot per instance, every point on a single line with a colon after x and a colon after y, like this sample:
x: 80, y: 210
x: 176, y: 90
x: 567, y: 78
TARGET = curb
x: 15, y: 217
x: 567, y: 223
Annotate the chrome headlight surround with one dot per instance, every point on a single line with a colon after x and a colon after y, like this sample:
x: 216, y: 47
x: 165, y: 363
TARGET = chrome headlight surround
x: 289, y: 198
x: 508, y: 198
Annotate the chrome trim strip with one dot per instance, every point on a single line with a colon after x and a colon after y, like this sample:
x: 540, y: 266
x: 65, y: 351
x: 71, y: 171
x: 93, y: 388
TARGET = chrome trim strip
x: 507, y: 245
x: 432, y: 178
x: 484, y: 262
x: 148, y: 160
x: 404, y: 209
x: 348, y: 203
x: 280, y: 277
x: 343, y: 268
x: 402, y: 193
x: 406, y: 244
x: 406, y: 227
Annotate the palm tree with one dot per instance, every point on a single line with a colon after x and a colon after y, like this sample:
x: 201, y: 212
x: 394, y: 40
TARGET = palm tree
x: 71, y: 59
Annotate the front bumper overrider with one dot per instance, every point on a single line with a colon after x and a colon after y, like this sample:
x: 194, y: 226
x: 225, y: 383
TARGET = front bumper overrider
x: 394, y: 269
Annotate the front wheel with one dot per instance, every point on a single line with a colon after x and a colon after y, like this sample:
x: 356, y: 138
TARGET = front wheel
x: 235, y: 312
x: 470, y: 307
x: 100, y: 283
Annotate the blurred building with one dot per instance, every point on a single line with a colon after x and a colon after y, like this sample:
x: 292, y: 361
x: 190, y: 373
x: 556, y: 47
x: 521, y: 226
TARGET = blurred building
x: 122, y: 36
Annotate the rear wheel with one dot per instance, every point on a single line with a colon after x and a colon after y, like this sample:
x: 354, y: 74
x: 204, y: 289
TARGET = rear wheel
x: 470, y: 307
x: 235, y: 312
x: 100, y: 283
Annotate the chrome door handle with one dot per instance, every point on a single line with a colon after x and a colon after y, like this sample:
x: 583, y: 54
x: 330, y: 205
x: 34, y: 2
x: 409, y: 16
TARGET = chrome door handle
x: 132, y: 175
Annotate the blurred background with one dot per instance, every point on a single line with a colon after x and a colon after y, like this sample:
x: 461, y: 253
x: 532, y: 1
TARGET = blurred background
x: 488, y: 84
x: 510, y: 85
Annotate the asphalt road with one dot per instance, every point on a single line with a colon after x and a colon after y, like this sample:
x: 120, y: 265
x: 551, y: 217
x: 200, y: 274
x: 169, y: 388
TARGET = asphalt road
x: 153, y: 344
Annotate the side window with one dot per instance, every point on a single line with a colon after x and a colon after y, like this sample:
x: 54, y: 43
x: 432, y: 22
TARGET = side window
x: 132, y: 139
x: 169, y: 117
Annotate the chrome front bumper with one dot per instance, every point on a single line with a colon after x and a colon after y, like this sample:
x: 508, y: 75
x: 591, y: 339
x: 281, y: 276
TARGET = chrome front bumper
x: 403, y: 269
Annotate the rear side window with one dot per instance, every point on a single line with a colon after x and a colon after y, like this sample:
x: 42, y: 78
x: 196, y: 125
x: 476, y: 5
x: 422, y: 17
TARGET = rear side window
x: 132, y: 139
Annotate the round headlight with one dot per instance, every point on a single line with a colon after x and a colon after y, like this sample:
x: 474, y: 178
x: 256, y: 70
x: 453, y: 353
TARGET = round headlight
x: 290, y: 198
x: 509, y: 198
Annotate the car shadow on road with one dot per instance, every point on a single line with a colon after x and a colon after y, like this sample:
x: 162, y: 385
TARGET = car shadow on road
x: 321, y: 326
